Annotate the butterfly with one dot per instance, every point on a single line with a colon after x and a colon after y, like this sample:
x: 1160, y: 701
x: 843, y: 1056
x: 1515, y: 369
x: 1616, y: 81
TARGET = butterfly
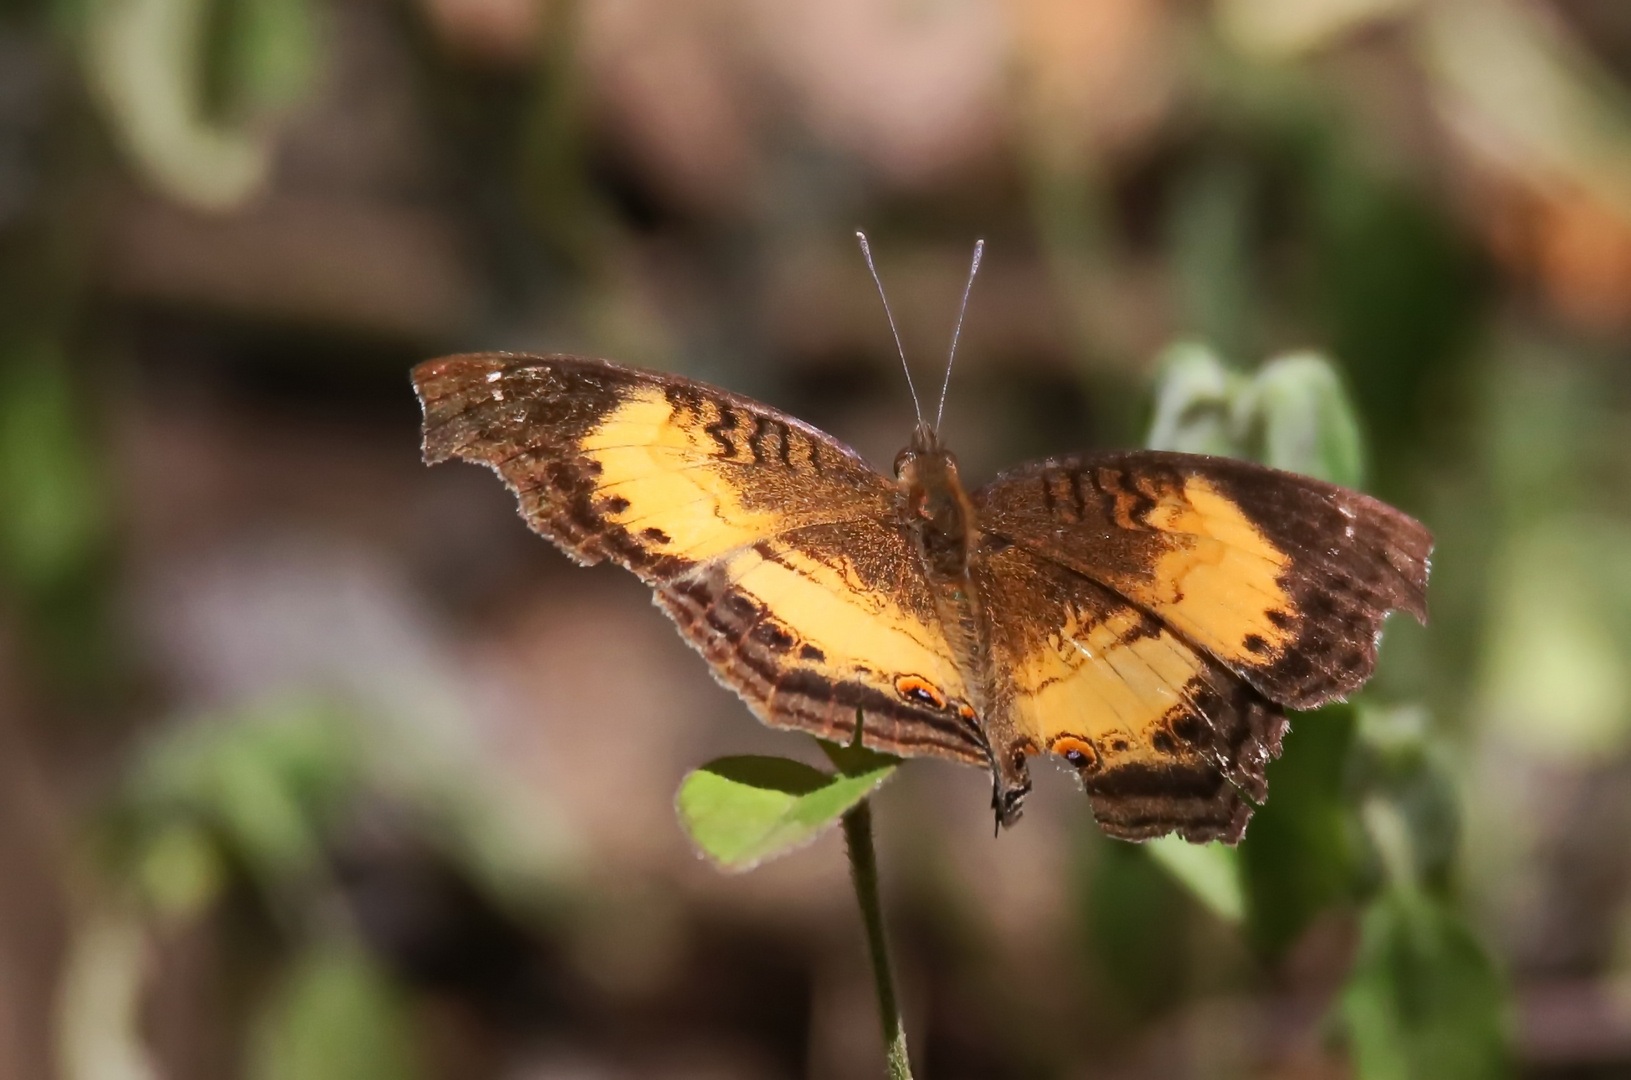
x: 1145, y: 616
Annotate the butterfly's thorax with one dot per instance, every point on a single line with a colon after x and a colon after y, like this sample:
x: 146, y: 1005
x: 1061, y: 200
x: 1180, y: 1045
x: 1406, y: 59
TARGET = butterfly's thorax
x: 941, y: 519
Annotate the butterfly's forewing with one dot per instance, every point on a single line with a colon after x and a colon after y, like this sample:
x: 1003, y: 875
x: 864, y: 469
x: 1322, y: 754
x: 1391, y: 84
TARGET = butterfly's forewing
x: 774, y: 547
x: 1283, y: 579
x: 1164, y: 738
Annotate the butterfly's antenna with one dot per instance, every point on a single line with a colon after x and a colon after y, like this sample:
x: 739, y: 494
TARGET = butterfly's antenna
x: 866, y: 250
x: 974, y: 268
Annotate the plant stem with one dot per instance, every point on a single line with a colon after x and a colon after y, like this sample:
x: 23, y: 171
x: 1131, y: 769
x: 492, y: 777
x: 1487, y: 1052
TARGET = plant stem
x: 863, y: 866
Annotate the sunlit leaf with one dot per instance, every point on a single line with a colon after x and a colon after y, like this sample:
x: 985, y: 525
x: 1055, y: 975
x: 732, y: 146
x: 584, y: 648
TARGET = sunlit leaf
x: 740, y: 811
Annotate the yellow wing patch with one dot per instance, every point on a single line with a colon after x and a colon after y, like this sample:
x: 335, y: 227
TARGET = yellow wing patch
x: 828, y: 623
x: 858, y: 629
x: 661, y: 479
x: 1222, y: 581
x: 1111, y: 680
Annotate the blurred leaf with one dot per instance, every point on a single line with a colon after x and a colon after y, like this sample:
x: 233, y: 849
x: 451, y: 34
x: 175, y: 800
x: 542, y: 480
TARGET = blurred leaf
x: 1211, y: 245
x: 1281, y: 28
x: 98, y: 1014
x: 1211, y: 872
x: 1297, y: 854
x: 147, y: 59
x: 264, y: 783
x: 1136, y: 916
x: 1394, y: 763
x: 1308, y: 425
x: 268, y: 54
x: 1193, y: 402
x: 1424, y: 1001
x: 180, y: 871
x: 740, y: 811
x: 1395, y: 289
x: 337, y: 1017
x: 1546, y: 96
x: 1556, y: 677
x: 55, y: 516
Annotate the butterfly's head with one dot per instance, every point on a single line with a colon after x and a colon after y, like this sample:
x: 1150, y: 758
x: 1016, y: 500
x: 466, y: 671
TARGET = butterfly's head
x: 934, y: 504
x: 928, y: 478
x: 925, y: 443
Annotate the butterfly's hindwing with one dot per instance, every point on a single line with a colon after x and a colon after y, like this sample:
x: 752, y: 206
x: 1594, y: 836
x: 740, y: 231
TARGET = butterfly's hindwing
x: 825, y: 623
x: 775, y: 548
x: 1282, y: 578
x: 1164, y: 737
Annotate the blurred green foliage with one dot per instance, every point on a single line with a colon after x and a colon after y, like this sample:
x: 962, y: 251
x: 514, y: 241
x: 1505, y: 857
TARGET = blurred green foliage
x: 56, y: 529
x: 335, y: 1016
x: 1466, y: 309
x: 1361, y: 810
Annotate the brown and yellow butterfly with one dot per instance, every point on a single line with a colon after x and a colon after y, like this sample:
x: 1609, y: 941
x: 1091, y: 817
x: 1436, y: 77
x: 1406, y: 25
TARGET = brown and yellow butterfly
x: 1143, y: 615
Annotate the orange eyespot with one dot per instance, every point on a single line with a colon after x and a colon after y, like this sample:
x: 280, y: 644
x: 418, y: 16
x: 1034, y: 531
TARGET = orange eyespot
x: 1079, y: 752
x: 917, y: 690
x: 966, y: 711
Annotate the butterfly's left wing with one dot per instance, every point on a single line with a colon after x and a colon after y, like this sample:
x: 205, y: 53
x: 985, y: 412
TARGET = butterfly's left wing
x: 775, y: 548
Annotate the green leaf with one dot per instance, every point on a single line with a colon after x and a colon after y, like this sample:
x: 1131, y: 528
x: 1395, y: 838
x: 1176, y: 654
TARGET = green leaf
x: 1211, y: 872
x: 1424, y: 1001
x: 1308, y: 423
x: 740, y: 811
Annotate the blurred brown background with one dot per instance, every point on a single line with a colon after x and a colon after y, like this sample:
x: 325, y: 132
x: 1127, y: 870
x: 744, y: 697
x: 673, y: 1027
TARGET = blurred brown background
x: 315, y: 763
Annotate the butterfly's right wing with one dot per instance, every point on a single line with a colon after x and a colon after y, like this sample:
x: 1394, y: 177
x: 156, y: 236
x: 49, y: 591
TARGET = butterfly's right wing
x: 1284, y: 579
x: 774, y: 547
